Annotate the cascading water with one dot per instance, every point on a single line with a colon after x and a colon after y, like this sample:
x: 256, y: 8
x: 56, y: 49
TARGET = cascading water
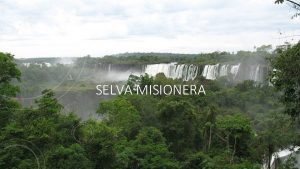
x: 256, y: 77
x: 173, y: 70
x: 178, y: 71
x: 211, y: 71
x: 109, y: 67
x: 223, y: 70
x: 235, y: 69
x: 192, y: 73
x: 188, y: 72
x: 252, y: 72
x: 257, y: 73
x: 154, y: 69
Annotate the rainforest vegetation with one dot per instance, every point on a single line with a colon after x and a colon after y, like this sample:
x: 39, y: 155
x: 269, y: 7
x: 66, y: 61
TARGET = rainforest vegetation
x: 234, y: 126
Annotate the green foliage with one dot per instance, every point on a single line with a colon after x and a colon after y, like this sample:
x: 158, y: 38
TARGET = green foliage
x: 286, y: 77
x: 149, y: 150
x: 278, y: 132
x: 8, y: 73
x: 121, y: 114
x: 234, y: 124
x: 232, y: 127
x: 209, y: 126
x: 34, y: 132
x: 153, y: 58
x: 48, y: 104
x: 243, y: 165
x: 237, y: 131
x: 146, y: 105
x: 133, y: 81
x: 8, y: 69
x: 99, y: 141
x: 179, y: 125
x: 289, y: 163
x: 198, y: 160
x: 146, y: 80
x: 68, y: 158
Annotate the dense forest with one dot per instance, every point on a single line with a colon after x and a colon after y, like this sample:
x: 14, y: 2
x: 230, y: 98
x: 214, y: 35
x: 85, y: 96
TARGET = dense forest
x: 199, y: 59
x: 234, y: 126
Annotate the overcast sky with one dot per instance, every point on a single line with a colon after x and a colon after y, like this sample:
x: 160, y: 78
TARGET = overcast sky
x: 66, y: 28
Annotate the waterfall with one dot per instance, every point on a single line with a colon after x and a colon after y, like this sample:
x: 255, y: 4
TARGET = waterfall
x: 154, y: 69
x: 192, y: 72
x: 223, y: 70
x: 109, y: 67
x: 213, y: 72
x: 178, y: 71
x: 173, y: 70
x: 188, y: 72
x: 235, y: 69
x: 257, y: 73
x: 252, y: 72
x: 210, y: 71
x: 246, y: 72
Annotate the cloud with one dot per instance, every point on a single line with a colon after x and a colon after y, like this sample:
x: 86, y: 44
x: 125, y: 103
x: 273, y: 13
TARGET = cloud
x: 45, y: 28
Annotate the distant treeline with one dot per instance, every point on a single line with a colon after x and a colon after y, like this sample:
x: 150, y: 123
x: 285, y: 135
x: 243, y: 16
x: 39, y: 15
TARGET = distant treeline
x: 261, y: 53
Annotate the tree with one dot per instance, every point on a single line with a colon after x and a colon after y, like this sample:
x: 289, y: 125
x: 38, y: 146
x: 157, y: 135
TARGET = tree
x: 33, y: 132
x: 8, y: 73
x: 285, y: 77
x: 148, y: 151
x: 236, y: 131
x: 295, y: 5
x: 146, y: 105
x: 120, y: 114
x: 209, y: 126
x: 277, y: 133
x: 133, y: 81
x: 100, y: 141
x: 48, y: 104
x: 198, y: 160
x: 179, y: 125
x: 68, y: 158
x: 146, y: 80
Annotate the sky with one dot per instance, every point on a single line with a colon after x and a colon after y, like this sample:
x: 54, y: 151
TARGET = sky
x: 74, y: 28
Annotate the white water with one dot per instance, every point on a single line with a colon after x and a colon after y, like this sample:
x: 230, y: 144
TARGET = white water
x: 213, y: 72
x: 165, y: 68
x: 173, y: 70
x: 186, y: 72
x: 190, y: 72
x: 210, y: 71
x: 256, y: 73
x: 224, y: 70
x: 235, y: 69
x: 283, y: 155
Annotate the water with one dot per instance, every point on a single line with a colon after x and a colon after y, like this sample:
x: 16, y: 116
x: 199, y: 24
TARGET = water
x: 173, y: 70
x: 187, y: 72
